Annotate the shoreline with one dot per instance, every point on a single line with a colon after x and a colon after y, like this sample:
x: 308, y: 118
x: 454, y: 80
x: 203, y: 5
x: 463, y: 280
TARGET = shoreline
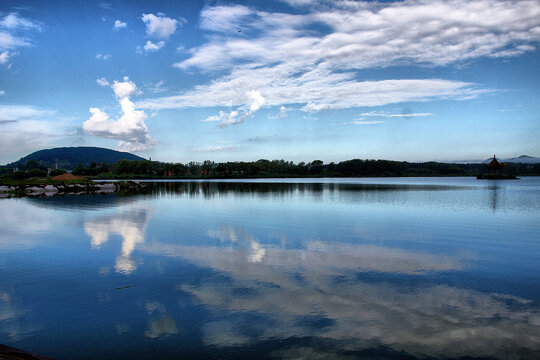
x: 55, y: 188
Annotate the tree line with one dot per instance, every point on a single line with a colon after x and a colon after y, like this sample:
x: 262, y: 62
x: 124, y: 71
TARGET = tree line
x: 267, y: 168
x: 282, y: 168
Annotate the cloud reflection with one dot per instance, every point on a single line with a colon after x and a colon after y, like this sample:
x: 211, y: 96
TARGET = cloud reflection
x: 130, y: 224
x: 160, y: 324
x: 315, y: 292
x: 14, y: 322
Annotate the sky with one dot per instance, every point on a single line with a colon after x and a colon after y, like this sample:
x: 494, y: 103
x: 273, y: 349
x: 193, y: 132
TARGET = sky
x: 298, y: 80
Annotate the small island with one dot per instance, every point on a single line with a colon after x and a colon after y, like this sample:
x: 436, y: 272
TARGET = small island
x: 495, y: 166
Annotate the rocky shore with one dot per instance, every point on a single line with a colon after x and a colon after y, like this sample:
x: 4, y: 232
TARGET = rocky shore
x: 70, y: 189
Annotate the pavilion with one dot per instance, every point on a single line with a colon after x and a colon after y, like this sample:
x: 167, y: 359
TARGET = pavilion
x: 494, y: 165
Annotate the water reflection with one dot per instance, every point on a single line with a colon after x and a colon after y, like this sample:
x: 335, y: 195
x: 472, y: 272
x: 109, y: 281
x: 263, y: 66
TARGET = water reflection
x: 130, y: 224
x: 463, y: 194
x: 160, y: 323
x: 315, y: 292
x: 275, y: 270
x: 13, y: 317
x: 216, y: 188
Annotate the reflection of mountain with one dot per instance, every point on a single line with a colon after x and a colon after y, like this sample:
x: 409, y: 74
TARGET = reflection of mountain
x: 315, y: 293
x: 130, y: 224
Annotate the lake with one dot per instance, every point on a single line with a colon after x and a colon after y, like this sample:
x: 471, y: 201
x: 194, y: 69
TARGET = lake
x: 378, y: 268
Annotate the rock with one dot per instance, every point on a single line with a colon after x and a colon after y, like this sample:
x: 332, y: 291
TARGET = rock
x: 50, y: 189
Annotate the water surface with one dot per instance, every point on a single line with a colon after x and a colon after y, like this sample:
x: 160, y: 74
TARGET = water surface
x: 276, y: 268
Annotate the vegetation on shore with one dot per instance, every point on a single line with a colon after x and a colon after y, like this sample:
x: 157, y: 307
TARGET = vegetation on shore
x: 144, y: 169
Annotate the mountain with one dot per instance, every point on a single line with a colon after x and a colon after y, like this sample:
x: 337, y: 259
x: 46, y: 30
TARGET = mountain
x: 523, y: 159
x: 70, y: 157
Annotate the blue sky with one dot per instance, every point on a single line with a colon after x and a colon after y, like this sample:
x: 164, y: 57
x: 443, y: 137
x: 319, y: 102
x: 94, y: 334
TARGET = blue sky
x: 287, y: 79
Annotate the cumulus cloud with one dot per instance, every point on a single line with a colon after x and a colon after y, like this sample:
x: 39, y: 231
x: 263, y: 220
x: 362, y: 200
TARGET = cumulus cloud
x: 119, y: 25
x: 4, y: 57
x: 160, y: 27
x: 312, y: 107
x: 292, y: 59
x: 235, y: 117
x: 152, y: 47
x: 130, y: 128
x: 103, y: 56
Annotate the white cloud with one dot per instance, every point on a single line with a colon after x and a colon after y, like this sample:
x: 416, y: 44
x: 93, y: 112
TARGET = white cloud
x: 226, y: 118
x: 2, y: 92
x: 317, y: 86
x: 159, y: 26
x: 151, y: 47
x: 361, y: 122
x: 4, y: 57
x: 103, y: 56
x: 124, y: 89
x: 119, y: 25
x: 215, y: 148
x: 282, y: 113
x: 382, y: 114
x: 8, y: 41
x: 158, y: 87
x: 130, y: 128
x: 23, y: 112
x: 26, y: 128
x: 224, y: 18
x: 292, y: 61
x: 373, y: 34
x: 13, y: 21
x: 102, y: 82
x: 312, y: 107
x: 14, y: 33
x: 255, y: 101
x: 300, y: 2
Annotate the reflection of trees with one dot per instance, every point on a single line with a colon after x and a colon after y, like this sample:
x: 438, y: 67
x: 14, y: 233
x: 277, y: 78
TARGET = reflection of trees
x: 315, y: 292
x: 130, y: 224
x: 214, y: 188
x: 83, y: 201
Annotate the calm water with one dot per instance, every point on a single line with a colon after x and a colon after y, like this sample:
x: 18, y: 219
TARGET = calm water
x: 318, y: 268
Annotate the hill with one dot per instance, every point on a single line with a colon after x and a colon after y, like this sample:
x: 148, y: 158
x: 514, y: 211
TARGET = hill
x: 523, y: 159
x: 70, y: 157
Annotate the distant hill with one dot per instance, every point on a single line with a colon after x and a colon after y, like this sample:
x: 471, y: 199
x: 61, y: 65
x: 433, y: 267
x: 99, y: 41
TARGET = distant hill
x: 522, y: 159
x: 70, y: 157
